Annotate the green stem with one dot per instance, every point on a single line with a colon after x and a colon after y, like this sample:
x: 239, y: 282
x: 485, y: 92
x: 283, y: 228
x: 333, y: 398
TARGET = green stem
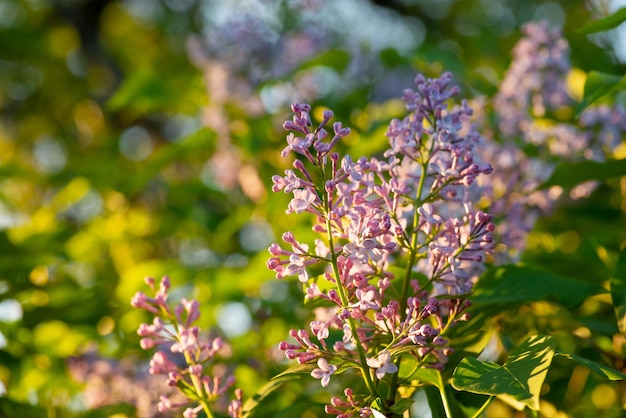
x: 367, y: 378
x: 444, y: 400
x: 407, y: 277
x: 484, y: 407
x: 199, y: 389
x: 365, y: 371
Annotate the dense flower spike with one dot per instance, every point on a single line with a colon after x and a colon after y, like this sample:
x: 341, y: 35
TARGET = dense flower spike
x: 183, y: 354
x: 527, y: 111
x: 412, y: 209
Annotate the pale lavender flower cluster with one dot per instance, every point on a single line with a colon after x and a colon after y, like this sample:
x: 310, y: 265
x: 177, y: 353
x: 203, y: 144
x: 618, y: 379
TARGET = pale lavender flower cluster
x: 535, y: 81
x: 528, y: 110
x: 182, y: 353
x: 411, y: 210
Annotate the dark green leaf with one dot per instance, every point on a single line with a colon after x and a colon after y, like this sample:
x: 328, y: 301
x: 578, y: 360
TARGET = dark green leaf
x: 618, y: 292
x: 254, y: 401
x: 434, y: 402
x: 401, y: 406
x: 9, y: 408
x: 606, y: 23
x: 336, y: 59
x: 568, y: 175
x: 595, y: 367
x: 599, y: 85
x: 518, y: 381
x: 513, y: 284
x: 391, y: 58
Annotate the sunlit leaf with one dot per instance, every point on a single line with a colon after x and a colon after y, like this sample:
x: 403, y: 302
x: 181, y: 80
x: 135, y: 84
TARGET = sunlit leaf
x: 599, y: 85
x: 606, y: 23
x: 424, y: 375
x: 151, y: 91
x: 618, y: 292
x: 568, y: 175
x: 518, y: 381
x: 254, y: 401
x: 513, y: 284
x: 595, y: 367
x: 296, y: 369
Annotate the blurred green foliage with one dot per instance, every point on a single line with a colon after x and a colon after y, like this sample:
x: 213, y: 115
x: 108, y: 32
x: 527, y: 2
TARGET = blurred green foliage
x: 111, y: 170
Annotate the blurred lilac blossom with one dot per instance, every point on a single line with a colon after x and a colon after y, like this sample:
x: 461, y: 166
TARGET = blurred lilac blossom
x: 529, y: 109
x: 183, y: 354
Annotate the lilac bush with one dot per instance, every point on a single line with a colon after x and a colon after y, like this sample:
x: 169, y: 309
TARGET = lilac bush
x: 402, y: 236
x: 409, y: 211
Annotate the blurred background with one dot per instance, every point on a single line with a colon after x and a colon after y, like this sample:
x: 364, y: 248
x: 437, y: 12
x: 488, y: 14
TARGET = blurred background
x: 138, y: 138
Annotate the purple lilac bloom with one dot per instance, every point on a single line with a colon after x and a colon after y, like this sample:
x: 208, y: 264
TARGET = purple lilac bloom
x: 532, y: 96
x: 183, y: 354
x: 111, y: 382
x: 412, y: 207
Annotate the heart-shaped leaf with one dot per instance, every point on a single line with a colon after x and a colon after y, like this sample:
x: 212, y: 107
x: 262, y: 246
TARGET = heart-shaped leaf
x: 512, y: 284
x: 518, y: 381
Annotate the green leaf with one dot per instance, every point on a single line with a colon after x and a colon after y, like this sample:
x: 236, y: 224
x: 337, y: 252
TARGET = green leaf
x: 618, y: 292
x: 390, y: 58
x: 595, y: 367
x: 336, y: 59
x: 568, y: 175
x: 606, y: 23
x: 599, y: 85
x: 296, y: 369
x: 148, y: 91
x: 253, y: 402
x: 517, y: 382
x: 426, y: 375
x: 401, y: 406
x: 298, y: 409
x: 516, y: 284
x: 10, y: 408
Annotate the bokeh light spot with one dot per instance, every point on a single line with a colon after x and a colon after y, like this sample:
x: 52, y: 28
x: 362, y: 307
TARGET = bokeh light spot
x: 603, y: 396
x: 234, y: 319
x: 39, y: 275
x: 136, y: 144
x: 105, y: 326
x: 10, y: 311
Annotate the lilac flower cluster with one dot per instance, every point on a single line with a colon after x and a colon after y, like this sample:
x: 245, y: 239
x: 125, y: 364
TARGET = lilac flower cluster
x: 535, y: 81
x: 111, y: 382
x: 529, y: 109
x: 182, y: 353
x: 411, y: 209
